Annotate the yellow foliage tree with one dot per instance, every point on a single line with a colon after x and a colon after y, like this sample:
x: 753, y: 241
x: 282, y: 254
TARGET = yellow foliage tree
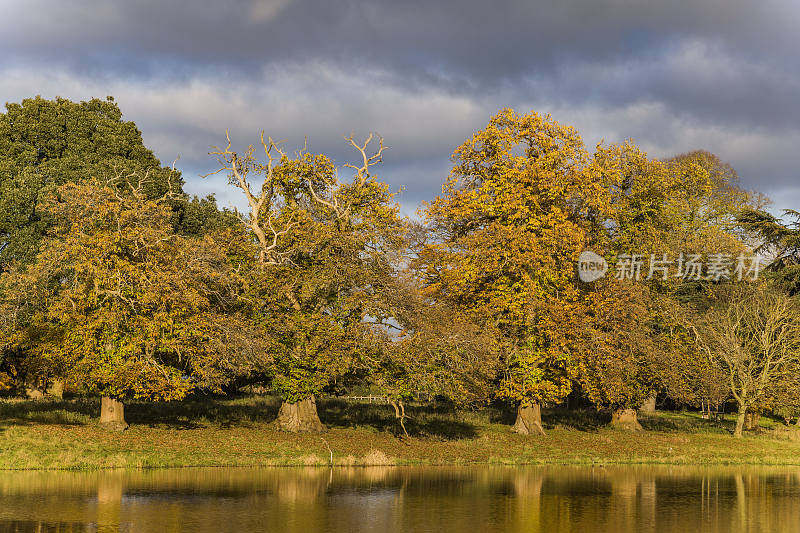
x: 319, y: 263
x: 507, y: 231
x: 660, y: 211
x: 117, y: 301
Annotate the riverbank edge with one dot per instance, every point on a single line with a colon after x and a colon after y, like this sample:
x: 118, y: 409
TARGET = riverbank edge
x: 376, y: 457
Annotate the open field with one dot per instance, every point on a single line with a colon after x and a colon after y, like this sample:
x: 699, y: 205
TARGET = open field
x: 240, y: 432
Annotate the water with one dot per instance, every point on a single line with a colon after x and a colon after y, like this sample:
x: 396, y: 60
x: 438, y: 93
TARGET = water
x: 387, y: 499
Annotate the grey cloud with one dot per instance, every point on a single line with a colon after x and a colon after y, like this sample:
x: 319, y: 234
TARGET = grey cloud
x: 719, y: 74
x: 464, y: 39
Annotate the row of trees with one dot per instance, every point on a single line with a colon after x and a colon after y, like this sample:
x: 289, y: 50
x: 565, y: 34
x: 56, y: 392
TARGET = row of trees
x: 118, y: 283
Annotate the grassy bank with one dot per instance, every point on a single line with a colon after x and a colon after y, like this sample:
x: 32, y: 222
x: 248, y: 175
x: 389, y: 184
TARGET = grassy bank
x: 240, y: 432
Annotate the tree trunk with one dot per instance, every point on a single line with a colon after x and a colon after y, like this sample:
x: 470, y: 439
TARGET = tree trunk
x: 32, y: 389
x: 626, y: 419
x: 33, y: 393
x: 400, y: 414
x: 112, y: 413
x: 737, y: 432
x: 798, y: 421
x: 529, y: 420
x: 649, y: 406
x: 56, y: 389
x: 300, y: 417
x: 751, y: 420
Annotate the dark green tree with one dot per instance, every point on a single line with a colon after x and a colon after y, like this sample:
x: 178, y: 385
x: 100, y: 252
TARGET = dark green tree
x: 780, y: 241
x: 47, y: 143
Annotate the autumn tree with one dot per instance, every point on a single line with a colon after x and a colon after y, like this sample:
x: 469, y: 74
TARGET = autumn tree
x: 706, y: 200
x: 45, y: 144
x: 684, y: 371
x: 614, y: 361
x: 659, y: 213
x: 752, y: 334
x: 783, y: 397
x: 320, y: 258
x: 116, y: 301
x: 431, y: 350
x: 507, y: 231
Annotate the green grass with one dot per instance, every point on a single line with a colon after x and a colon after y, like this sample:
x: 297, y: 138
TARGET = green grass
x: 241, y: 432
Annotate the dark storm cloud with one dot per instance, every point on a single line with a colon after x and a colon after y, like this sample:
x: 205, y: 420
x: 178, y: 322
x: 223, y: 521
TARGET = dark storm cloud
x: 474, y: 39
x: 721, y: 75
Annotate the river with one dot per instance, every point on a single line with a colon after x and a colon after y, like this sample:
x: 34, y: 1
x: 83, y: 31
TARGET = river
x: 388, y: 499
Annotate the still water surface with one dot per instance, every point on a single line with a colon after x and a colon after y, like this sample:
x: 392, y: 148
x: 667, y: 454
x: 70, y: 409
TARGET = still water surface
x: 387, y: 499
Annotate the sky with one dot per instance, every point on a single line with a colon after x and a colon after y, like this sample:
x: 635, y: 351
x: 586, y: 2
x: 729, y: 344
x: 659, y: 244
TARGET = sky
x: 719, y: 75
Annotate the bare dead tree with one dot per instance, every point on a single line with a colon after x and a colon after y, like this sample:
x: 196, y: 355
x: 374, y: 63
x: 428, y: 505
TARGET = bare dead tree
x: 260, y: 219
x: 262, y: 202
x: 754, y: 339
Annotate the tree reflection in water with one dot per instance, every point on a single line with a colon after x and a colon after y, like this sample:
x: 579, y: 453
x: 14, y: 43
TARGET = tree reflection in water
x: 385, y: 499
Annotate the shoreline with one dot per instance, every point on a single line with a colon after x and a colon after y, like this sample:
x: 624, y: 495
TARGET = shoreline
x: 64, y: 436
x: 256, y: 466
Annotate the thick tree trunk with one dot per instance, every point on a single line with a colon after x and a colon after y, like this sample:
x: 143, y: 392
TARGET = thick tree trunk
x: 626, y: 419
x: 112, y: 413
x: 300, y: 417
x: 56, y: 389
x: 737, y: 432
x: 33, y: 393
x: 32, y: 389
x: 649, y: 406
x: 751, y: 420
x: 529, y: 420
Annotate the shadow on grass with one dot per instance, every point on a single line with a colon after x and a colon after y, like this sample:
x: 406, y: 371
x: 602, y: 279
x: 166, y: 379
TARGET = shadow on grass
x: 423, y: 420
x: 669, y: 422
x: 574, y: 419
x: 56, y: 412
x: 559, y: 417
x: 436, y: 420
x: 185, y: 414
x: 200, y: 412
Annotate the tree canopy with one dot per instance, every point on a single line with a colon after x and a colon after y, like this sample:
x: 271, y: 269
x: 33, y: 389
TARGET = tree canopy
x: 47, y: 143
x: 113, y: 279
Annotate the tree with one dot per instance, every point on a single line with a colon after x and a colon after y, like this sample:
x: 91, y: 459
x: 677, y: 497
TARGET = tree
x: 614, y: 363
x: 686, y: 373
x: 47, y: 143
x: 319, y: 264
x: 614, y: 360
x: 783, y: 397
x: 662, y: 211
x: 707, y: 201
x: 436, y: 353
x: 688, y: 203
x: 507, y: 232
x: 780, y: 241
x: 116, y: 300
x: 752, y: 334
